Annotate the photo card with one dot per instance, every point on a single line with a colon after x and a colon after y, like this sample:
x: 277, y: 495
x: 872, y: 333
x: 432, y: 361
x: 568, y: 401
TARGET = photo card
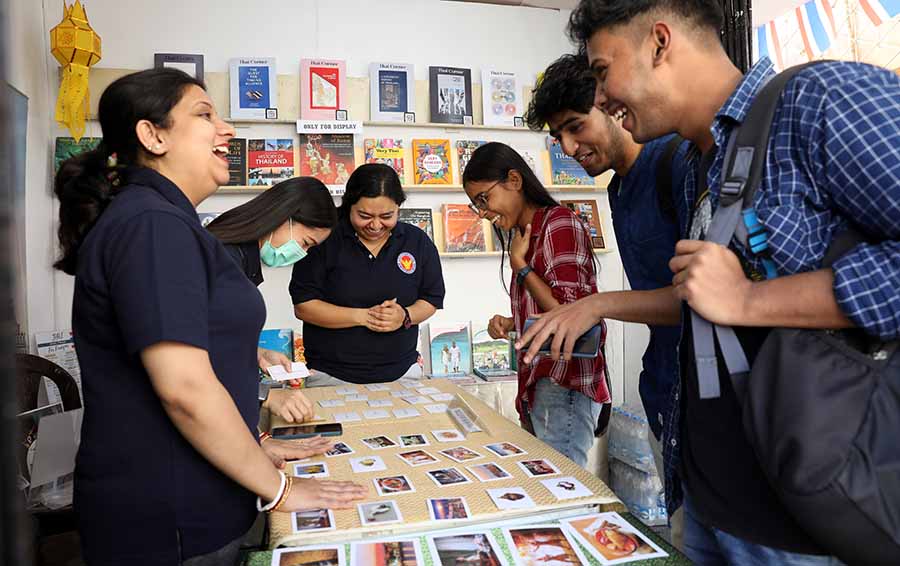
x: 312, y: 520
x: 379, y: 513
x: 505, y: 449
x: 339, y: 449
x: 477, y: 547
x: 538, y: 468
x: 311, y: 470
x: 392, y: 485
x: 417, y: 458
x: 379, y: 442
x: 511, y: 498
x: 611, y: 539
x: 461, y: 454
x: 413, y: 440
x: 365, y: 464
x: 448, y: 435
x: 331, y: 555
x: 566, y: 488
x: 488, y: 472
x: 448, y: 509
x: 538, y: 545
x: 447, y: 476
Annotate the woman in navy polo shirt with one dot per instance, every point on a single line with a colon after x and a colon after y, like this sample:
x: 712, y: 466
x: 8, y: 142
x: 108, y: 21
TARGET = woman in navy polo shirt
x: 169, y: 467
x: 363, y: 293
x: 278, y: 228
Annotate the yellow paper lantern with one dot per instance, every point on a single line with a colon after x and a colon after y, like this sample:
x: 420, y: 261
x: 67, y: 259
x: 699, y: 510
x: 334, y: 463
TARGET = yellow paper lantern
x: 77, y: 47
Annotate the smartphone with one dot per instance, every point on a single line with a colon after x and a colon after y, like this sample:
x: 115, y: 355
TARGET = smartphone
x: 587, y: 345
x: 307, y: 430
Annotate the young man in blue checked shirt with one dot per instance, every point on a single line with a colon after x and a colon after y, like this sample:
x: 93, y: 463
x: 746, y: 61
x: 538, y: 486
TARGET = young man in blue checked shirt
x: 833, y: 159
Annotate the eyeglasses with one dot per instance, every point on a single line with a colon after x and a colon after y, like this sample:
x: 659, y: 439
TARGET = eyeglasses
x: 479, y: 204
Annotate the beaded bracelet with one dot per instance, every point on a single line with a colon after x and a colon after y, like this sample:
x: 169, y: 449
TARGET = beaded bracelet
x: 278, y: 496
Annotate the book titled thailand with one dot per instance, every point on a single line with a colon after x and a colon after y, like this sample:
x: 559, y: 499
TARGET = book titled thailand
x: 490, y: 356
x: 586, y: 210
x: 420, y: 218
x: 464, y: 150
x: 237, y: 162
x: 67, y: 147
x: 388, y: 151
x: 329, y: 158
x: 191, y: 64
x: 322, y: 88
x: 450, y: 348
x: 502, y: 97
x: 463, y: 229
x: 450, y: 94
x: 564, y: 170
x: 254, y: 87
x: 392, y: 91
x: 269, y: 161
x: 432, y: 162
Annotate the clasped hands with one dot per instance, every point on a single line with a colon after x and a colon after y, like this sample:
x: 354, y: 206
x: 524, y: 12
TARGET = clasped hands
x: 385, y: 317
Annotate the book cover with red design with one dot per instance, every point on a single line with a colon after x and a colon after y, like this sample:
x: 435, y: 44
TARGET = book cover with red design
x: 322, y: 88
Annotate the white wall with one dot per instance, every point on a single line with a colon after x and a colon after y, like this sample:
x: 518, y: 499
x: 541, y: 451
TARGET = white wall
x: 423, y: 32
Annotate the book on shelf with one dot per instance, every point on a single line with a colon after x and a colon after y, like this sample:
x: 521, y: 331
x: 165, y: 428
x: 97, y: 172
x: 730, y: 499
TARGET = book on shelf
x: 67, y: 147
x: 269, y: 161
x: 207, y: 217
x: 237, y: 162
x: 586, y: 210
x: 329, y: 158
x: 464, y: 151
x: 564, y: 170
x: 420, y: 218
x: 299, y: 348
x: 450, y: 346
x: 463, y: 229
x: 531, y: 155
x: 322, y: 88
x: 392, y: 91
x: 450, y: 94
x: 388, y: 151
x: 432, y: 162
x: 490, y: 356
x: 191, y: 64
x: 254, y: 87
x: 502, y: 96
x: 58, y: 346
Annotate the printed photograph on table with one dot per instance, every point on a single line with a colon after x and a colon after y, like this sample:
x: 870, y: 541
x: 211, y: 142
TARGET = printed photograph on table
x: 339, y: 449
x: 269, y: 161
x: 391, y: 485
x: 311, y: 470
x: 448, y: 435
x: 586, y: 210
x: 312, y: 520
x: 536, y: 468
x: 611, y: 539
x: 451, y: 351
x: 566, y: 488
x: 388, y: 151
x: 461, y: 454
x: 450, y: 94
x: 392, y: 91
x: 367, y: 464
x: 539, y: 545
x: 413, y: 440
x: 386, y: 553
x: 464, y: 151
x: 463, y: 229
x: 469, y: 549
x: 511, y: 498
x: 505, y: 449
x: 421, y: 218
x: 417, y: 458
x: 432, y: 162
x: 448, y: 509
x: 379, y: 512
x: 447, y: 476
x: 327, y: 157
x: 321, y: 88
x: 488, y: 472
x: 378, y: 442
x: 501, y: 94
x: 564, y: 170
x: 309, y: 556
x: 253, y: 87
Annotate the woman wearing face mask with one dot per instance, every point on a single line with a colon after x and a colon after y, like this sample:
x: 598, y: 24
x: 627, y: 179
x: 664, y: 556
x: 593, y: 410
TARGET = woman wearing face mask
x: 552, y: 261
x: 169, y: 469
x: 362, y: 294
x: 277, y: 229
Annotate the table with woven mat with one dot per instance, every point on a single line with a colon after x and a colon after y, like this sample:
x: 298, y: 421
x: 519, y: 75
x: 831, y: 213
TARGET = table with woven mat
x: 413, y: 506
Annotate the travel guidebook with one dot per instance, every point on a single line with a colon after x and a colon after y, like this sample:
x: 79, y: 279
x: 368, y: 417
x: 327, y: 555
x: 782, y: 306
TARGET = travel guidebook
x: 322, y: 88
x: 464, y: 150
x: 189, y: 63
x: 432, y: 162
x: 451, y: 349
x: 586, y: 210
x: 450, y: 94
x: 463, y: 229
x: 329, y: 158
x: 254, y: 87
x: 502, y: 97
x: 237, y: 162
x: 388, y: 151
x: 420, y: 218
x: 563, y: 169
x: 269, y: 161
x: 392, y: 91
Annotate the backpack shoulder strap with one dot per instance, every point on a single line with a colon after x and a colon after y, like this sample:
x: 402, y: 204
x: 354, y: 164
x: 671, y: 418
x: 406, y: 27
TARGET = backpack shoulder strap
x: 664, y: 189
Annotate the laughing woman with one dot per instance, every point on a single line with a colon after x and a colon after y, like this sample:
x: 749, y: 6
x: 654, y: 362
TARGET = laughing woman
x: 552, y: 262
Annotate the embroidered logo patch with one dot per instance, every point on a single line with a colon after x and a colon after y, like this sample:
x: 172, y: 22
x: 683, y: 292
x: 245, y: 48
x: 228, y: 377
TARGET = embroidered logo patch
x: 407, y: 263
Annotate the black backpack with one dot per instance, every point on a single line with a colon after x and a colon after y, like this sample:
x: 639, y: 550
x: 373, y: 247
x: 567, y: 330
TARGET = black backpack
x: 821, y: 408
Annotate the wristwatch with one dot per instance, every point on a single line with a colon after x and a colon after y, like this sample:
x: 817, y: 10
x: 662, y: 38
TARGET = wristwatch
x: 522, y: 274
x: 407, y: 321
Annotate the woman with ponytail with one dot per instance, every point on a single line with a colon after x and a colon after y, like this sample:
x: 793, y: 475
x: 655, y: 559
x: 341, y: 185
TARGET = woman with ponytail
x: 552, y: 260
x: 169, y: 469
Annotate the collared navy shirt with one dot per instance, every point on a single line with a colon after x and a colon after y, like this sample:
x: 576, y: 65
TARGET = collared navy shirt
x: 341, y: 271
x: 646, y: 238
x: 247, y: 257
x: 147, y: 273
x: 833, y: 158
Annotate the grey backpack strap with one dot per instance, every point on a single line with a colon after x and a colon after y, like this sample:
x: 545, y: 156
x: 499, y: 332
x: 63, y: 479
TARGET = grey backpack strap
x: 742, y: 172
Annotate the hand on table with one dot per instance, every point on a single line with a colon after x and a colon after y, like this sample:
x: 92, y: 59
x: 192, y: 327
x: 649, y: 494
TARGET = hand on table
x: 281, y: 450
x: 323, y: 494
x: 290, y: 404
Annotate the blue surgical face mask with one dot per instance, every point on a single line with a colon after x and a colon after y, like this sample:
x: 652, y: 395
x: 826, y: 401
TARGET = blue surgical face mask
x: 284, y: 255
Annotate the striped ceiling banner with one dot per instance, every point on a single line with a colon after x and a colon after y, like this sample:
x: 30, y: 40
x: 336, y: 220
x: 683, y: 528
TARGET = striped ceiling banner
x: 880, y: 11
x: 768, y: 45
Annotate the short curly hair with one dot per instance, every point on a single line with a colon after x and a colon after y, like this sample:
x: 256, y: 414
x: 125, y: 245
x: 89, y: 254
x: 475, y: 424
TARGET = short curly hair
x: 567, y: 84
x: 593, y: 15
